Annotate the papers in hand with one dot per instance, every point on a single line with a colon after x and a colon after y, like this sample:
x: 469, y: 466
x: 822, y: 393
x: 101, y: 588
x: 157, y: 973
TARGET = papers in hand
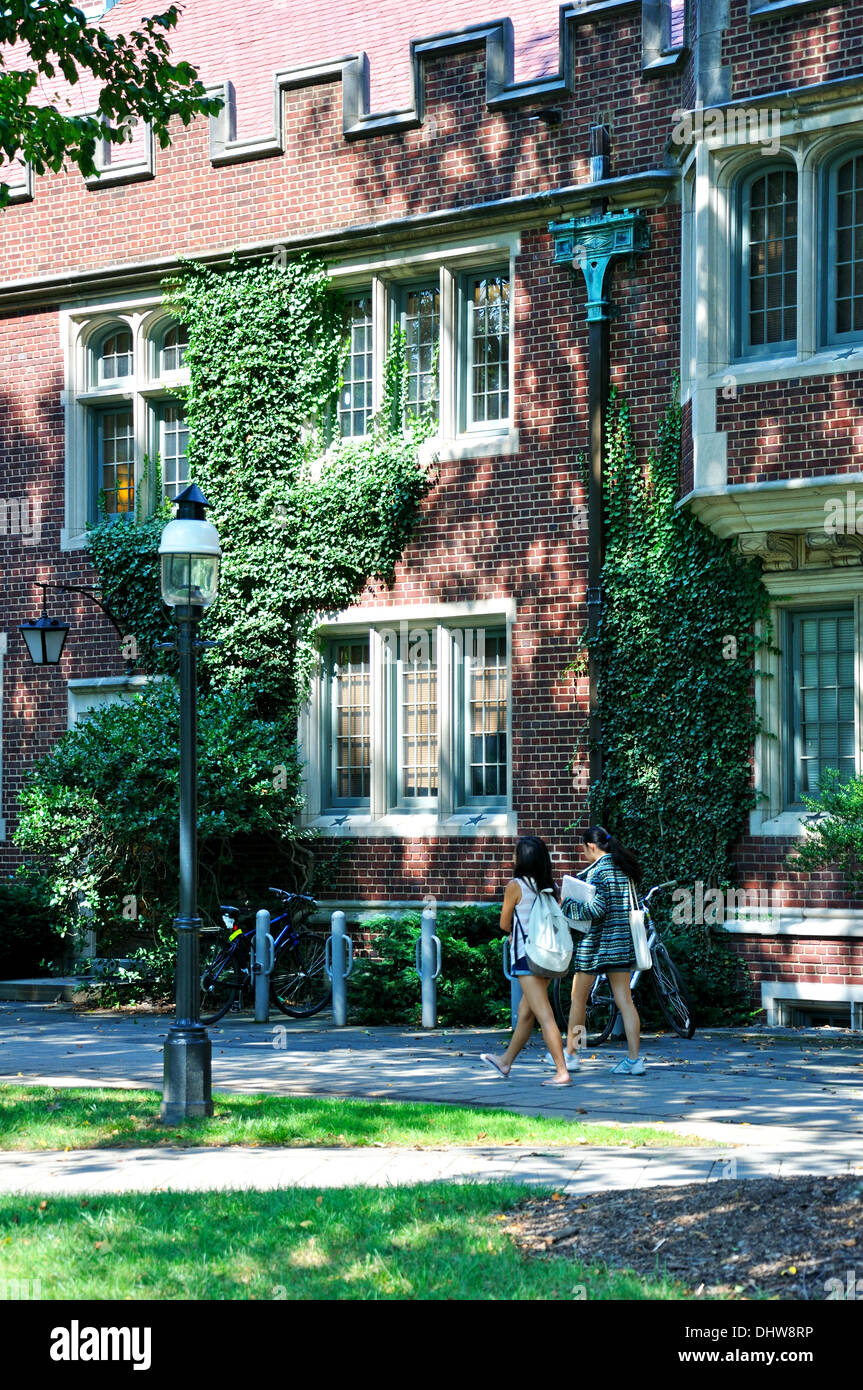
x: 578, y: 889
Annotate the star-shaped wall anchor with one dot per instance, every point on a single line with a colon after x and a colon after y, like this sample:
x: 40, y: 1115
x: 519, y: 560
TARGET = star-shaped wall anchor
x: 849, y: 352
x: 341, y: 820
x: 475, y: 820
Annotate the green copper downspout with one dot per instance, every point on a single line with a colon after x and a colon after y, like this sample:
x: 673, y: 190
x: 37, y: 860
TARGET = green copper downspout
x: 590, y: 245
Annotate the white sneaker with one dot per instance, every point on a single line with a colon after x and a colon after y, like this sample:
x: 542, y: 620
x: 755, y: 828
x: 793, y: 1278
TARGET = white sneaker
x: 629, y: 1068
x: 571, y: 1058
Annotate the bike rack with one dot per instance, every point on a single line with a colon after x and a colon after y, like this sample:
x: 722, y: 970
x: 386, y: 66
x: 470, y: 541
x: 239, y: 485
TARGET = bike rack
x: 514, y: 986
x: 428, y: 966
x: 334, y: 964
x: 263, y: 959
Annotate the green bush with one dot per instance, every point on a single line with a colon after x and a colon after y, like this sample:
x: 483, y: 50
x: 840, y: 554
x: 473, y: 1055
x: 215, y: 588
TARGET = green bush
x: 100, y: 812
x: 472, y: 990
x: 834, y: 830
x: 28, y: 942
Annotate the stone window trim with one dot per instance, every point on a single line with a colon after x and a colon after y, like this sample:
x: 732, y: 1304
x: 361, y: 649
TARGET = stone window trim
x: 388, y: 276
x: 446, y: 819
x: 92, y: 692
x: 792, y: 591
x: 145, y: 391
x: 813, y: 137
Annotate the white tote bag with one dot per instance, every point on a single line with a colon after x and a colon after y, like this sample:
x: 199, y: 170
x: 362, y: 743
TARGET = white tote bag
x: 643, y: 958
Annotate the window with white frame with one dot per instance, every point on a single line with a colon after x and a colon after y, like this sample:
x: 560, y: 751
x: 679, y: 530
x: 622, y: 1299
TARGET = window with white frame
x: 420, y: 323
x: 768, y: 284
x: 422, y: 712
x: 821, y: 698
x: 844, y: 244
x: 456, y: 324
x: 356, y: 397
x: 124, y: 409
x: 486, y: 378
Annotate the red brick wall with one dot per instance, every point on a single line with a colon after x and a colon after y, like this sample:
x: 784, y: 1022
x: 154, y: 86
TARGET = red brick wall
x: 492, y: 528
x: 797, y: 49
x: 799, y: 959
x: 32, y: 453
x: 793, y: 429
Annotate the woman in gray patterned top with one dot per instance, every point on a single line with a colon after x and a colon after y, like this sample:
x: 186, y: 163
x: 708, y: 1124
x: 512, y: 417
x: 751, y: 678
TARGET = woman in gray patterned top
x: 606, y: 947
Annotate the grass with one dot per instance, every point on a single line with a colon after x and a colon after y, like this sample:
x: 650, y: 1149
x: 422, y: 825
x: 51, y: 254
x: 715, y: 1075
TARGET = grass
x: 441, y: 1241
x: 46, y: 1117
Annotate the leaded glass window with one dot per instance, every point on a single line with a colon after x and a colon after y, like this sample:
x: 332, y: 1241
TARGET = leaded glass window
x: 488, y: 348
x: 847, y: 198
x: 114, y: 359
x: 420, y: 321
x: 351, y: 729
x: 173, y: 443
x: 770, y: 261
x: 823, y: 698
x: 355, y: 401
x: 115, y: 449
x: 485, y: 717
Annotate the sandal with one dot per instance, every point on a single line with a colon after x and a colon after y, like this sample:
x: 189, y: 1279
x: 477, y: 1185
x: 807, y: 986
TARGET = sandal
x: 490, y: 1062
x: 554, y: 1082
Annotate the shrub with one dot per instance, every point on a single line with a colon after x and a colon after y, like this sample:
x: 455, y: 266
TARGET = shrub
x: 28, y: 940
x: 472, y: 989
x: 99, y: 815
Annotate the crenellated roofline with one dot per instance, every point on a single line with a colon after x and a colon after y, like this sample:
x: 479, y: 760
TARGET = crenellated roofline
x: 502, y: 92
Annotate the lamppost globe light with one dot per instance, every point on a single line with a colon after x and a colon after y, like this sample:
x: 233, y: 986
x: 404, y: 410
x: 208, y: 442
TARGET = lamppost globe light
x: 190, y: 554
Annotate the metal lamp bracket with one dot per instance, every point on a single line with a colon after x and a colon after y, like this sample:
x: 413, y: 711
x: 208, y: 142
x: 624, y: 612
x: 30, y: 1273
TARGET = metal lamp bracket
x: 591, y: 243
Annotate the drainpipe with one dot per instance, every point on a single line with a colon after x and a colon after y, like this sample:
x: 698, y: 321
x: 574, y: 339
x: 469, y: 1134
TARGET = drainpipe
x: 590, y: 245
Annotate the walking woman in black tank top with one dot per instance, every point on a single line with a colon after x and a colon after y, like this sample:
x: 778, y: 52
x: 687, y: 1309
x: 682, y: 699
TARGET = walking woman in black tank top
x: 531, y: 873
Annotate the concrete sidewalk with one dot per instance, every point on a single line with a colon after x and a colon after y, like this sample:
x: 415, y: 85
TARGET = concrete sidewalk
x: 570, y: 1170
x: 769, y: 1105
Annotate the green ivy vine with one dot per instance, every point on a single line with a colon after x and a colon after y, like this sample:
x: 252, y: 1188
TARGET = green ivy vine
x: 675, y: 650
x: 305, y: 517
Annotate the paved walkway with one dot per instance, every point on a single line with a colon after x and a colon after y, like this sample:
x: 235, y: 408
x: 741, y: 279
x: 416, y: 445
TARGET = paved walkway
x: 769, y: 1104
x: 570, y: 1170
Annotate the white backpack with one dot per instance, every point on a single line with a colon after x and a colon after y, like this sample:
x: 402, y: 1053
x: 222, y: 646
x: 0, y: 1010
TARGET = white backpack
x: 548, y: 941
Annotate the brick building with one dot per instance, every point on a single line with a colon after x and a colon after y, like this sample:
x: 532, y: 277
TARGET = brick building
x: 427, y: 174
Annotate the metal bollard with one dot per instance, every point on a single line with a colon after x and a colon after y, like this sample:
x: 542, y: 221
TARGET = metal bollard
x: 262, y: 966
x: 514, y: 986
x: 334, y: 963
x: 428, y: 963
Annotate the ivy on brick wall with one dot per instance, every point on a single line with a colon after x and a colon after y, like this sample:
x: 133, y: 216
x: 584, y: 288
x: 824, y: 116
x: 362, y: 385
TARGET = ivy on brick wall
x: 675, y: 650
x: 306, y: 519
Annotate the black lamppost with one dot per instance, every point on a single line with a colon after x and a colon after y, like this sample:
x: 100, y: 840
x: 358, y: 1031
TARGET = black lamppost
x: 190, y: 554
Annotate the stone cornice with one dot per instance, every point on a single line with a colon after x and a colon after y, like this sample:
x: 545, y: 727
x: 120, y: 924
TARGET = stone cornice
x: 648, y: 190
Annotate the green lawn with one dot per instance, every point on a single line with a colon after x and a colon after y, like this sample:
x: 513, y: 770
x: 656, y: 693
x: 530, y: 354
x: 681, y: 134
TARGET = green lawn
x: 45, y: 1117
x: 441, y: 1241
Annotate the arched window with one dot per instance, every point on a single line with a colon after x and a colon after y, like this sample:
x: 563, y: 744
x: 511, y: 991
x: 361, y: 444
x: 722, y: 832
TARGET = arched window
x: 768, y: 247
x: 114, y: 356
x: 845, y: 248
x: 172, y: 349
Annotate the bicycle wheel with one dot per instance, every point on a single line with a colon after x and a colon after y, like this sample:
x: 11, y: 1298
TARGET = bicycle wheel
x: 220, y: 981
x: 599, y: 1015
x: 671, y: 993
x: 299, y: 984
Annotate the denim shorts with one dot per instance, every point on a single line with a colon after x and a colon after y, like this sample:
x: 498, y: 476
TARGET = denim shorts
x: 519, y: 964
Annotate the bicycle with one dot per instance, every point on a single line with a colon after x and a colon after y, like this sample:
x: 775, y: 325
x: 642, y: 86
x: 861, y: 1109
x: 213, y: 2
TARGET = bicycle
x: 299, y: 985
x: 671, y: 993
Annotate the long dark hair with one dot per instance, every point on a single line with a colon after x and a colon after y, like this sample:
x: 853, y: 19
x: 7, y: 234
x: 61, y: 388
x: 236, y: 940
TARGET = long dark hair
x: 532, y: 860
x: 621, y: 857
